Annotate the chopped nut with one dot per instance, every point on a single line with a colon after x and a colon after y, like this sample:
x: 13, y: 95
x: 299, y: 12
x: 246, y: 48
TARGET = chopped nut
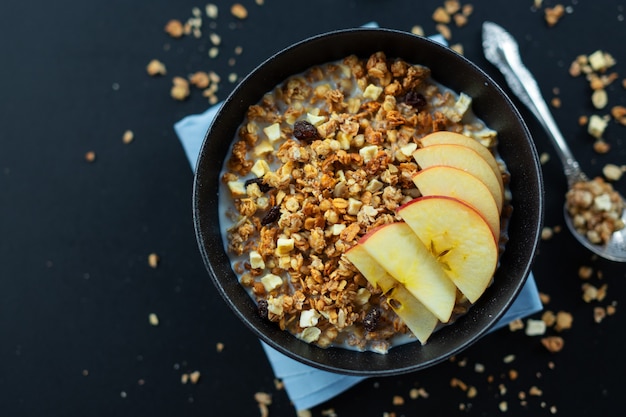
x: 517, y: 324
x: 545, y: 298
x: 211, y: 11
x: 239, y: 11
x: 444, y: 30
x: 601, y: 147
x: 153, y: 319
x: 155, y: 67
x: 547, y: 233
x: 219, y: 347
x: 534, y: 391
x: 417, y: 30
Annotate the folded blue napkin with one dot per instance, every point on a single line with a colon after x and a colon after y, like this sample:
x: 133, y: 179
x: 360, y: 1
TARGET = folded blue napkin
x: 307, y: 386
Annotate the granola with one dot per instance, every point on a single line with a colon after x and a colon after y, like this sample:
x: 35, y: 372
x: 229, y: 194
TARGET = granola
x: 317, y: 163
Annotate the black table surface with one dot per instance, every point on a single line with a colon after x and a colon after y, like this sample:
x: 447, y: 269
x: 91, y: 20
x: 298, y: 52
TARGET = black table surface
x: 76, y: 289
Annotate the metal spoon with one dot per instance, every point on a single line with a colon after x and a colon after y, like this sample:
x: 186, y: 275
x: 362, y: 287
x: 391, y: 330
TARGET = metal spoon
x: 501, y: 49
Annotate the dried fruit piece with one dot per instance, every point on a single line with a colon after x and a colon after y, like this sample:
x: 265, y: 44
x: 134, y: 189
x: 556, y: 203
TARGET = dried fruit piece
x: 180, y: 88
x: 553, y: 343
x: 305, y: 131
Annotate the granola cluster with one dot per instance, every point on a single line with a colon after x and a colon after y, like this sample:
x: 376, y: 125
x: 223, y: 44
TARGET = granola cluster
x: 596, y: 209
x: 321, y: 160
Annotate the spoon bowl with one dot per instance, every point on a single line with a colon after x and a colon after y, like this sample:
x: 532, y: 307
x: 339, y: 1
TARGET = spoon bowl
x: 501, y: 50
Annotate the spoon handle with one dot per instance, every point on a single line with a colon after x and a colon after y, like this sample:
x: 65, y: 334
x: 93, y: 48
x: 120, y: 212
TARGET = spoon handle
x: 501, y: 50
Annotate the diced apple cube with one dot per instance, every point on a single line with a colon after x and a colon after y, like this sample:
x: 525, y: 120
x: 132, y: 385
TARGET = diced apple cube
x: 354, y: 206
x: 314, y: 119
x: 272, y: 132
x: 309, y: 318
x: 260, y: 168
x: 271, y: 282
x: 372, y: 91
x: 263, y: 148
x: 284, y: 246
x: 237, y: 188
x: 338, y: 228
x: 256, y: 260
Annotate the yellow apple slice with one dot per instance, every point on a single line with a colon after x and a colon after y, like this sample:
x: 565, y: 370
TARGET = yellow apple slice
x: 453, y: 138
x: 463, y: 158
x: 458, y: 237
x: 453, y: 182
x: 398, y: 250
x: 414, y: 314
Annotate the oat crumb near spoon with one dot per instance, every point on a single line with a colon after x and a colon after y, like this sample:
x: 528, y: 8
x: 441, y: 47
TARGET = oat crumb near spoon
x: 594, y: 211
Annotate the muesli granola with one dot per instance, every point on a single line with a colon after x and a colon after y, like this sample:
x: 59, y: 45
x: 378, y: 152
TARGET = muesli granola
x: 317, y: 163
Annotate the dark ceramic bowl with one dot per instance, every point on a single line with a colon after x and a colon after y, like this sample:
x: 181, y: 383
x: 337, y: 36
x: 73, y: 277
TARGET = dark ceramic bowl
x: 489, y: 103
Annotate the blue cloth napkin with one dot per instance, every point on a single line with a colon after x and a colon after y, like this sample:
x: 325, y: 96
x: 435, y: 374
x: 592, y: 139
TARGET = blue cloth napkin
x: 307, y: 386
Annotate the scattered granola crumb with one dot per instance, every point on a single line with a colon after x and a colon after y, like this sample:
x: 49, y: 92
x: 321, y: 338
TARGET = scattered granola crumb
x: 200, y: 79
x: 123, y: 394
x: 513, y: 374
x: 90, y: 156
x: 545, y: 298
x: 278, y: 384
x: 535, y: 392
x: 544, y: 158
x: 397, y: 400
x: 553, y: 343
x: 549, y: 318
x: 547, y: 233
x: 213, y: 52
x: 180, y: 88
x: 457, y: 47
x: 219, y: 347
x: 194, y: 377
x: 472, y: 392
x: 508, y: 358
x: 417, y: 30
x: 184, y: 378
x: 479, y: 368
x: 153, y: 260
x: 444, y: 30
x: 263, y: 399
x: 174, y: 28
x: 503, y: 406
x: 554, y: 14
x: 612, y: 172
x: 153, y: 319
x: 85, y: 372
x: 599, y: 313
x: 516, y: 324
x: 564, y: 321
x: 556, y: 102
x: 619, y: 114
x: 601, y: 146
x: 128, y: 136
x: 585, y: 272
x: 259, y: 2
x: 239, y: 11
x: 155, y: 67
x: 211, y: 11
x: 599, y: 98
x: 301, y: 413
x: 232, y: 77
x: 440, y: 15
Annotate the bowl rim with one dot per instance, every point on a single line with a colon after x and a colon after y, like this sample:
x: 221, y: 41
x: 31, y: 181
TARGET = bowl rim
x: 313, y: 355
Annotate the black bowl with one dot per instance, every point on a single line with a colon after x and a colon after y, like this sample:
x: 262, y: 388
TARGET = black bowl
x: 489, y: 103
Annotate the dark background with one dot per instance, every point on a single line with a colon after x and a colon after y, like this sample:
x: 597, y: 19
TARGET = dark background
x: 76, y: 289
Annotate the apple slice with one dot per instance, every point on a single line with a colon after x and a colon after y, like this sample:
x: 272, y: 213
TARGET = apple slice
x: 453, y: 182
x: 415, y: 315
x: 399, y: 251
x: 459, y: 237
x: 453, y: 138
x: 464, y: 158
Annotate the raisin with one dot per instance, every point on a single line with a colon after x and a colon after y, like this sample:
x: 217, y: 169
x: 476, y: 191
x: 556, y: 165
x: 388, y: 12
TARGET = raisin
x: 262, y: 308
x: 272, y: 215
x: 371, y: 319
x: 259, y: 181
x: 415, y: 99
x: 305, y: 131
